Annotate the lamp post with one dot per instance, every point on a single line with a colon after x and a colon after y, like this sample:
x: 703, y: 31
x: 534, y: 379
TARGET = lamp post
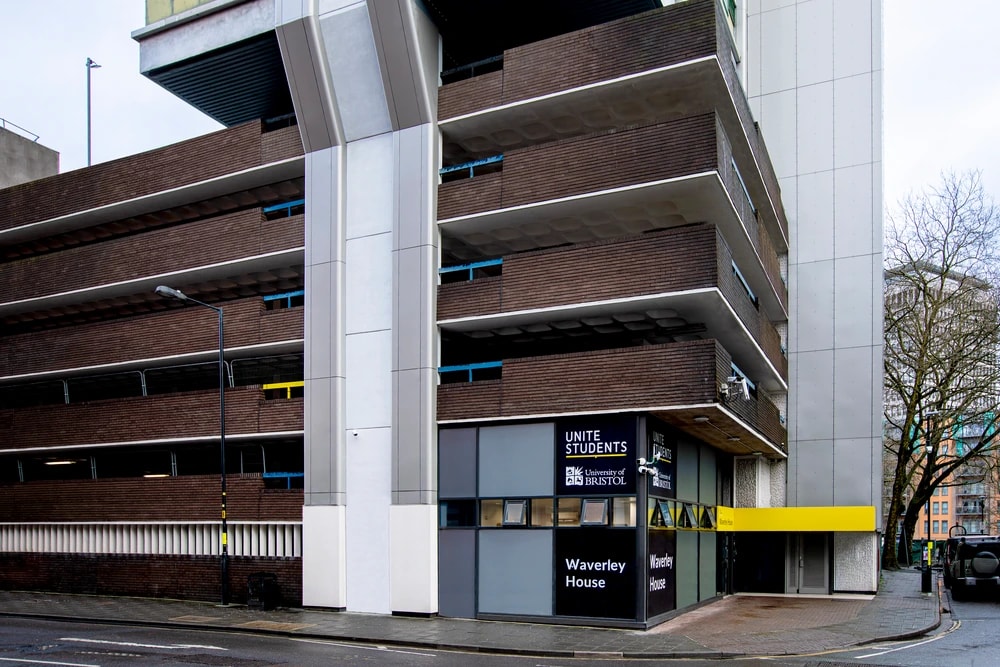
x: 925, y: 574
x: 172, y: 293
x: 90, y: 65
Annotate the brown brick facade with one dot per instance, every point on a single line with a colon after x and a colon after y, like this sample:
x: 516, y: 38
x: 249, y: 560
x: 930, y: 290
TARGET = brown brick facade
x: 148, y: 418
x: 177, y: 331
x: 634, y: 44
x: 219, y: 239
x: 624, y: 379
x: 179, y: 577
x: 209, y: 156
x: 676, y: 34
x: 672, y: 260
x: 179, y: 499
x: 648, y: 377
x: 576, y: 166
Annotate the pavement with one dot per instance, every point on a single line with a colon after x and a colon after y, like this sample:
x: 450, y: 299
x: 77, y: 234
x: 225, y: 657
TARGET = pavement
x: 736, y: 626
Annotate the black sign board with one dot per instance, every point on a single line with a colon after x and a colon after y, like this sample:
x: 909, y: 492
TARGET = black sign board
x: 661, y: 577
x: 660, y: 452
x: 596, y: 455
x: 596, y: 572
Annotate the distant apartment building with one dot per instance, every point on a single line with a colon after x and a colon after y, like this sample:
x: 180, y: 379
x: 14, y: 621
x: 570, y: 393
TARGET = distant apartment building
x: 563, y: 311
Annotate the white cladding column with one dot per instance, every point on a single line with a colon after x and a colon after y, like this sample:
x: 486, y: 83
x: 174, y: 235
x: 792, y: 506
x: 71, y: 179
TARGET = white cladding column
x: 363, y: 77
x: 814, y: 79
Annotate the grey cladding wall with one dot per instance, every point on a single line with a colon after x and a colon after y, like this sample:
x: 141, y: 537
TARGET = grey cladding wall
x: 516, y: 460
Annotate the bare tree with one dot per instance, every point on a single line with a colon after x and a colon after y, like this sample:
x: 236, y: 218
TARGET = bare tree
x: 941, y: 333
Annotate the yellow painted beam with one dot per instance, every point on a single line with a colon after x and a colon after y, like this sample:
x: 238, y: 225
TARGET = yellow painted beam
x: 860, y: 519
x: 283, y: 385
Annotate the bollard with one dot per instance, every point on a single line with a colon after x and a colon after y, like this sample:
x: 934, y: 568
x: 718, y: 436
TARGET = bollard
x: 925, y: 579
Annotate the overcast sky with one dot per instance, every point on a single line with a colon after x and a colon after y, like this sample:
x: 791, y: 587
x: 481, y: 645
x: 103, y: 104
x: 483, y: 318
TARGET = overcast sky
x: 941, y: 87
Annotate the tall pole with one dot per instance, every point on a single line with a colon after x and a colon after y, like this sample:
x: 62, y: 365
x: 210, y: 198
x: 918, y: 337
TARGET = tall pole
x: 172, y: 293
x: 222, y: 456
x: 90, y: 65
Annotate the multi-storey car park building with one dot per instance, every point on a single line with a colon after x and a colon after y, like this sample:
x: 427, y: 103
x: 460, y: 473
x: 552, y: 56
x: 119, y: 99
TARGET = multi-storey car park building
x: 476, y: 260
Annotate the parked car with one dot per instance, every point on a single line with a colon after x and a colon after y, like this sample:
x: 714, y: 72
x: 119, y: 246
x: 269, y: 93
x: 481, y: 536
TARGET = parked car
x: 971, y: 562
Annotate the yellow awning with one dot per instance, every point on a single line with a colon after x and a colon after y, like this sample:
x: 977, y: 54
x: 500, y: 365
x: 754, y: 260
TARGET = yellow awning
x: 853, y: 519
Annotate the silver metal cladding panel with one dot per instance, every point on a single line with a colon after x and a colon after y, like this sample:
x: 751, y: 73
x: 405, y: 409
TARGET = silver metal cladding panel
x: 325, y: 470
x: 304, y: 60
x: 851, y: 485
x: 354, y: 71
x: 413, y: 437
x: 324, y: 330
x: 414, y: 320
x: 406, y: 41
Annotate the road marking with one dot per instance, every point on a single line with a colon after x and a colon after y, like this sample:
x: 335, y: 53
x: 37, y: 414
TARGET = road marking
x: 135, y: 645
x: 954, y: 626
x: 48, y: 662
x: 384, y: 649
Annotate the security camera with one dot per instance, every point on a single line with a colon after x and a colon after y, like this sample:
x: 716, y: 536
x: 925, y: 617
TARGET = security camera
x: 643, y: 462
x: 644, y: 470
x: 736, y: 381
x: 354, y: 433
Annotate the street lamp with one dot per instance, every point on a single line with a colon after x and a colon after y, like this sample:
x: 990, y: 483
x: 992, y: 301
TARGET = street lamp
x: 90, y: 65
x: 929, y: 448
x: 172, y: 293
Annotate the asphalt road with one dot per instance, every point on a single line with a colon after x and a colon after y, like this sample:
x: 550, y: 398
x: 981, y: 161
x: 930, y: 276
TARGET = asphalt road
x: 32, y: 642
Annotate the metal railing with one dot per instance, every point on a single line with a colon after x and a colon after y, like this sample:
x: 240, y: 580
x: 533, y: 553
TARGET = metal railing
x: 470, y: 368
x: 471, y: 267
x: 17, y: 129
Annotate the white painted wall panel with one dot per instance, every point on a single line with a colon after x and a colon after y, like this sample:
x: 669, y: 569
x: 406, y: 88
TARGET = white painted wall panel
x: 814, y: 305
x: 814, y: 240
x: 369, y: 475
x: 814, y: 23
x: 852, y: 37
x: 370, y: 186
x: 852, y: 105
x: 777, y: 49
x: 815, y: 128
x: 369, y: 283
x: 852, y: 371
x: 369, y: 380
x: 854, y: 308
x: 323, y: 556
x: 853, y: 212
x: 778, y: 121
x: 413, y: 574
